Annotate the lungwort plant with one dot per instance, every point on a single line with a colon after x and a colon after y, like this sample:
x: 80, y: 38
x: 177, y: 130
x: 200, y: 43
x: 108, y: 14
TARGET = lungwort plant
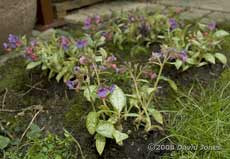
x: 93, y: 64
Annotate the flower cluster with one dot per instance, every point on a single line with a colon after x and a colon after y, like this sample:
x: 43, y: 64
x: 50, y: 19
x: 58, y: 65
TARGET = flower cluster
x: 30, y: 51
x: 91, y: 22
x: 73, y: 84
x: 81, y: 43
x: 150, y: 74
x: 173, y: 24
x: 107, y: 35
x: 103, y: 92
x: 212, y: 26
x: 13, y: 43
x: 65, y: 42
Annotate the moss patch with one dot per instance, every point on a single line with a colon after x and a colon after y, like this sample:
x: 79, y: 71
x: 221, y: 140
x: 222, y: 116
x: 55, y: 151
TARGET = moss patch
x: 13, y: 74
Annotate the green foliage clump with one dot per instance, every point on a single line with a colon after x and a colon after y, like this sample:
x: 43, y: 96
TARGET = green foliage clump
x: 37, y: 146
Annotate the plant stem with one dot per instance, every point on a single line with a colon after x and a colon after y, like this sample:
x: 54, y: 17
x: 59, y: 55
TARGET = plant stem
x: 157, y: 82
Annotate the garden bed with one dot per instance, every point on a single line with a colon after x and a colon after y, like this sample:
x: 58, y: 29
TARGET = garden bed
x: 30, y: 92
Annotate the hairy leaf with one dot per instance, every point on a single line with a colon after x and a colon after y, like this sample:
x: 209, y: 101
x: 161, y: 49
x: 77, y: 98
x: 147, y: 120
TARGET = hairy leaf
x: 4, y: 142
x: 91, y: 122
x: 90, y: 93
x: 209, y: 57
x: 221, y: 57
x: 118, y: 99
x: 105, y: 129
x: 100, y: 143
x: 156, y: 115
x: 119, y: 136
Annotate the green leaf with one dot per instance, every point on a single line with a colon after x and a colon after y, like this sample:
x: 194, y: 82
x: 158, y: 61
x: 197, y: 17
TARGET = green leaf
x: 34, y: 132
x: 221, y: 34
x: 221, y: 57
x: 98, y: 58
x: 4, y: 142
x: 90, y: 93
x: 51, y: 74
x: 91, y: 122
x: 100, y: 143
x: 32, y: 65
x: 61, y: 74
x: 113, y: 119
x: 178, y: 64
x: 119, y: 136
x: 105, y: 129
x: 200, y: 36
x: 58, y: 156
x: 156, y: 115
x: 209, y: 57
x: 192, y: 61
x: 202, y: 64
x: 170, y: 82
x: 118, y: 99
x: 103, y: 52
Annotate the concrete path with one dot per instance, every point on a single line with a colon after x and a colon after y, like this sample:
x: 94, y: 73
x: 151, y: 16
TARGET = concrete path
x: 205, y: 10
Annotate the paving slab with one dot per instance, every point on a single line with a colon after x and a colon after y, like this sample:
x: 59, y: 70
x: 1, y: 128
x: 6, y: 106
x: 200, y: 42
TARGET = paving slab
x: 107, y: 8
x: 194, y: 14
x: 215, y: 5
x: 217, y: 17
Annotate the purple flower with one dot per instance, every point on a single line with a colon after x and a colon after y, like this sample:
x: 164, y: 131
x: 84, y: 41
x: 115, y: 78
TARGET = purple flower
x: 112, y: 88
x: 13, y: 39
x: 70, y: 84
x: 172, y: 23
x: 87, y: 23
x: 156, y: 55
x: 111, y: 59
x: 212, y: 26
x: 33, y: 43
x: 76, y: 69
x: 152, y: 75
x: 131, y: 18
x: 102, y: 68
x: 183, y: 56
x: 103, y: 92
x: 5, y: 46
x: 107, y: 35
x: 83, y: 60
x: 81, y: 44
x: 64, y: 42
x: 97, y: 19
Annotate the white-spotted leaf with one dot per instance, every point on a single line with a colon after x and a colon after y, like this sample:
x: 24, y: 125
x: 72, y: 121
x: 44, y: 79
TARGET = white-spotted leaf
x: 210, y: 58
x: 90, y: 93
x: 221, y: 57
x: 105, y: 129
x: 100, y: 143
x: 118, y: 99
x: 91, y: 122
x: 119, y: 136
